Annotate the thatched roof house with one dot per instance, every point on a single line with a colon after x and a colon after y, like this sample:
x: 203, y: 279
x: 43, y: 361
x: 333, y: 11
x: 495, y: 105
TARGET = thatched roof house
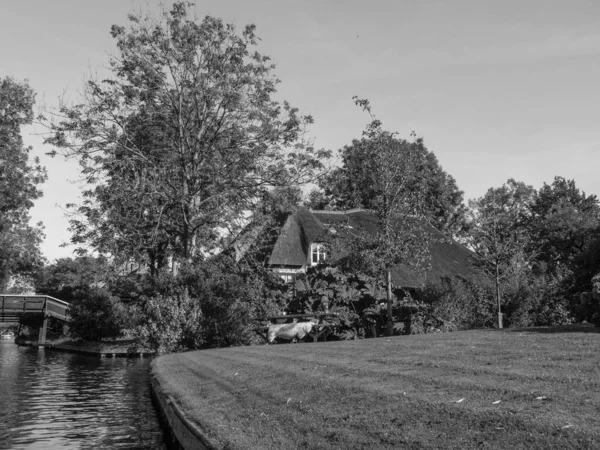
x: 300, y: 244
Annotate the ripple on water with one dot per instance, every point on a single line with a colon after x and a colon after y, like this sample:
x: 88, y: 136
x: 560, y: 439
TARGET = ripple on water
x: 60, y: 400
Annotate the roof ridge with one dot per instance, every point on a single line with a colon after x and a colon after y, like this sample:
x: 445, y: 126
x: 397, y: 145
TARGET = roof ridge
x: 348, y: 211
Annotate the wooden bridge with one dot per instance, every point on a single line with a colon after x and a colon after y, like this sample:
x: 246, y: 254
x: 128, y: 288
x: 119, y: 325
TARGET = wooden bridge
x: 12, y: 307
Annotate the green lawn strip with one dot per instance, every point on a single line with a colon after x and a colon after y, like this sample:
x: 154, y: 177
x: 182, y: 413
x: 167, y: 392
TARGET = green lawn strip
x: 434, y: 389
x: 374, y: 393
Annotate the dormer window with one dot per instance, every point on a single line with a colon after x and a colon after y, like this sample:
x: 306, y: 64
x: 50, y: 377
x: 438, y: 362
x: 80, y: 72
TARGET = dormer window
x: 317, y: 254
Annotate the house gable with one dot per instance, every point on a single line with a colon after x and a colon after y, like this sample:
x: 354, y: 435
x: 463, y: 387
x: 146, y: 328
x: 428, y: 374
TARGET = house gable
x: 448, y: 258
x: 292, y: 246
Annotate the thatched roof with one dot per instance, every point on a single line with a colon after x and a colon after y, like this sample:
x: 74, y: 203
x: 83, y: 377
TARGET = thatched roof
x: 293, y: 244
x: 448, y: 258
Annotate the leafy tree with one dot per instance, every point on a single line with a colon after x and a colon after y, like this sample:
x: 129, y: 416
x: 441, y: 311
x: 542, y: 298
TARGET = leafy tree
x: 353, y: 186
x: 498, y: 233
x: 19, y: 184
x: 317, y: 199
x: 382, y: 175
x: 564, y: 223
x: 69, y: 279
x: 182, y: 141
x: 97, y: 316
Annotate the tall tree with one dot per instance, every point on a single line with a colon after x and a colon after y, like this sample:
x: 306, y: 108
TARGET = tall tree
x: 183, y: 139
x: 565, y: 226
x: 19, y: 184
x: 564, y: 220
x: 382, y: 172
x: 498, y: 232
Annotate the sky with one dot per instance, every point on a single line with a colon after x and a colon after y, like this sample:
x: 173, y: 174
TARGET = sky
x: 497, y: 90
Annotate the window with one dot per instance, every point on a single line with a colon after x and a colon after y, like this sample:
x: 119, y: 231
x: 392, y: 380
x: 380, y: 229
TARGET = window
x: 287, y: 274
x: 288, y: 277
x: 318, y: 254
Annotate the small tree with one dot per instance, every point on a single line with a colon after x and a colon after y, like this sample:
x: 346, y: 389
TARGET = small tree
x: 498, y: 233
x: 382, y: 172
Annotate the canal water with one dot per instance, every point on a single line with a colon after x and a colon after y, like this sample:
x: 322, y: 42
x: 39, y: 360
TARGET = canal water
x: 54, y: 400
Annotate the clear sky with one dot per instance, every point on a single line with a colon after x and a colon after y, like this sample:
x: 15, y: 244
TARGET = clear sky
x: 497, y: 89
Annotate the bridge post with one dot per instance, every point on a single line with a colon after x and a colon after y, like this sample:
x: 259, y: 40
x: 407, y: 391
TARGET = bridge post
x: 43, y: 330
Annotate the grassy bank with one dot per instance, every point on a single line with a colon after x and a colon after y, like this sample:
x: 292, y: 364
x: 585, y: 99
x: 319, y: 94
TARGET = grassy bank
x: 537, y: 388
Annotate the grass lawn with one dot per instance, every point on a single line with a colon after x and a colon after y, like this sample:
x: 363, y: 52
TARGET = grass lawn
x: 533, y: 388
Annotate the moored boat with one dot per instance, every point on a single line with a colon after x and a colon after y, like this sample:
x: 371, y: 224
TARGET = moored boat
x: 7, y: 334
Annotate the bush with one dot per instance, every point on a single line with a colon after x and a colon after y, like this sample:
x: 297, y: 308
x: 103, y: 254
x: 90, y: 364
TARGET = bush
x: 97, y: 315
x: 533, y: 300
x: 537, y: 300
x: 353, y: 297
x: 212, y: 303
x: 169, y: 323
x: 590, y: 302
x: 455, y: 304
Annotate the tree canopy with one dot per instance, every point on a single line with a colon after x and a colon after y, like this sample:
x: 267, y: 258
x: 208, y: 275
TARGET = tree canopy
x: 498, y: 233
x: 19, y: 184
x: 381, y: 173
x: 357, y: 183
x: 182, y: 141
x: 564, y: 221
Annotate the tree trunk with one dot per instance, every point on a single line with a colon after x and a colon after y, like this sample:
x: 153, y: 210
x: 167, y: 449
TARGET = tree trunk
x: 500, y: 325
x: 390, y: 324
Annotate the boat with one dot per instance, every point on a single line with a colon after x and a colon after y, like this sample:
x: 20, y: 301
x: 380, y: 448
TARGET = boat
x: 7, y: 334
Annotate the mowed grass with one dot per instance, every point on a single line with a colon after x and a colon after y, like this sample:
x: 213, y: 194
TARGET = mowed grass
x: 534, y: 388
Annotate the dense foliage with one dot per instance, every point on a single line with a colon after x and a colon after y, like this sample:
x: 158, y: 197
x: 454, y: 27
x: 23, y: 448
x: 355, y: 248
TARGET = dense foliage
x: 98, y: 315
x: 354, y: 297
x: 383, y: 174
x: 212, y: 303
x: 498, y: 235
x: 69, y: 278
x: 539, y: 248
x: 192, y: 168
x: 182, y: 141
x: 358, y: 182
x: 19, y: 185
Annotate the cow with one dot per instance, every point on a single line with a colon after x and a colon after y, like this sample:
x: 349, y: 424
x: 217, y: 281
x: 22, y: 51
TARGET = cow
x: 289, y: 331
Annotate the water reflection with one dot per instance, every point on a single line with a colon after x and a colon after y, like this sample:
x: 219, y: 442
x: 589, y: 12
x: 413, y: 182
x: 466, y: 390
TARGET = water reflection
x: 66, y: 401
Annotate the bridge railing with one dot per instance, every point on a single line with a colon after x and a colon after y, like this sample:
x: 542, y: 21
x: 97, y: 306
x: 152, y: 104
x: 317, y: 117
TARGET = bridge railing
x: 12, y: 304
x: 57, y: 308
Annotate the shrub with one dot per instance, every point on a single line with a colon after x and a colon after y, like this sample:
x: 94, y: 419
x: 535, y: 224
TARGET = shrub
x: 97, y: 315
x: 169, y: 323
x: 590, y: 302
x: 455, y: 304
x: 537, y: 300
x: 211, y: 303
x: 325, y: 288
